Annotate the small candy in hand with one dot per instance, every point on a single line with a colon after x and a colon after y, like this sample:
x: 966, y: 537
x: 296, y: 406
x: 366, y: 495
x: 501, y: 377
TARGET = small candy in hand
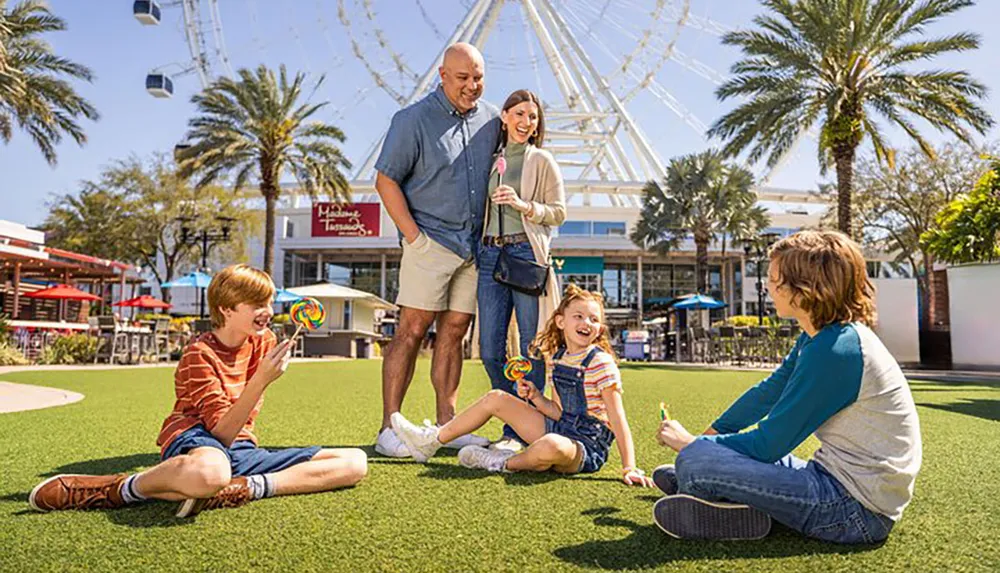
x: 501, y: 165
x: 516, y: 368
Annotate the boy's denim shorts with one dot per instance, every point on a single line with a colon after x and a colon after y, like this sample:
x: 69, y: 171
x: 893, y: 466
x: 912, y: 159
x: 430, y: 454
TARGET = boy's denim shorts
x: 245, y: 458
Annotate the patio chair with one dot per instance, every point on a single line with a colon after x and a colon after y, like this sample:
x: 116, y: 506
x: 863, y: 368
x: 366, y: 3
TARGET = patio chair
x: 114, y: 341
x: 701, y: 345
x: 161, y: 339
x: 726, y: 350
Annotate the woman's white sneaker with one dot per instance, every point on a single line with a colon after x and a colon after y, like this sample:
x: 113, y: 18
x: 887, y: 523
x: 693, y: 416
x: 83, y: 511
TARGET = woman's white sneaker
x: 478, y: 457
x: 420, y: 440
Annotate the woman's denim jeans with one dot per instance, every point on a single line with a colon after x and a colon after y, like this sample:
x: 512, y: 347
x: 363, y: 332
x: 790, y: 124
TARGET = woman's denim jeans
x: 496, y: 302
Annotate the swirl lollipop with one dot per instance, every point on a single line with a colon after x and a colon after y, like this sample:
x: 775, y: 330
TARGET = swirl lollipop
x: 307, y: 313
x: 516, y: 368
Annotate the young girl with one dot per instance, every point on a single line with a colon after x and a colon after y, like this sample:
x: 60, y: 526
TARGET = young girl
x: 838, y: 381
x: 572, y: 432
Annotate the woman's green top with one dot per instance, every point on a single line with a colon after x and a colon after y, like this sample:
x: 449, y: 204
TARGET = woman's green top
x: 512, y: 224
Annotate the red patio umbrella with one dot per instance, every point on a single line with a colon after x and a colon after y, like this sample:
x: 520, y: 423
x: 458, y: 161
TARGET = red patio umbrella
x: 63, y: 292
x: 144, y: 301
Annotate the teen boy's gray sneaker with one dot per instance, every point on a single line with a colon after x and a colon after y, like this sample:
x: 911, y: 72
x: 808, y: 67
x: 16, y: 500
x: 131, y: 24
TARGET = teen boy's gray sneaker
x: 687, y: 517
x: 665, y: 478
x: 420, y: 440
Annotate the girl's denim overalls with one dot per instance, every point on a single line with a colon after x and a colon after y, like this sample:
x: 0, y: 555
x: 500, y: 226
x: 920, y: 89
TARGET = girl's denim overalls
x: 575, y: 423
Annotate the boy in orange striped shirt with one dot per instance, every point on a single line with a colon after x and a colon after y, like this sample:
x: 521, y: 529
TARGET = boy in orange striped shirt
x: 209, y: 451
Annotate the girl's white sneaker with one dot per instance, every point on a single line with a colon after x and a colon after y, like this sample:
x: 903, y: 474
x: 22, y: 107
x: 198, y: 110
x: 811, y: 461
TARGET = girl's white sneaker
x: 420, y: 440
x: 478, y: 457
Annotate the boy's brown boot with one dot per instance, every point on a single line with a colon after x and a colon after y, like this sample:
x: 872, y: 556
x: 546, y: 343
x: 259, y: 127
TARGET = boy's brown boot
x: 235, y: 494
x: 73, y: 491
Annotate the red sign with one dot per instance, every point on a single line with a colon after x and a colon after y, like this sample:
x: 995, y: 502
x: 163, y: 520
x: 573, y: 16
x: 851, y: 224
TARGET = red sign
x: 346, y: 219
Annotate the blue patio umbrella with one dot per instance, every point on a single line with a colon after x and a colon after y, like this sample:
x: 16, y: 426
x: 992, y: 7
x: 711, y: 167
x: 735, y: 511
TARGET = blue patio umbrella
x: 699, y: 301
x: 196, y: 279
x: 282, y: 295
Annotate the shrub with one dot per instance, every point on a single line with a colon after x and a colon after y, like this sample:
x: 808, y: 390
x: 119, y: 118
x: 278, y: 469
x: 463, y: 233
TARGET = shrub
x: 4, y: 330
x: 152, y: 316
x: 71, y: 349
x: 10, y: 356
x: 281, y: 319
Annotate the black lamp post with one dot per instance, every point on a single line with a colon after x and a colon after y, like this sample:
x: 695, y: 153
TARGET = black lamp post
x: 755, y: 250
x: 206, y: 238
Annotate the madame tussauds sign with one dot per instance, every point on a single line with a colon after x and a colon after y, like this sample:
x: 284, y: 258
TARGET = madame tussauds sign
x: 346, y: 219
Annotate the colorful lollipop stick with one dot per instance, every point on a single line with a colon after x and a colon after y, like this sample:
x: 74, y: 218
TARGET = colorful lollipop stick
x: 664, y: 413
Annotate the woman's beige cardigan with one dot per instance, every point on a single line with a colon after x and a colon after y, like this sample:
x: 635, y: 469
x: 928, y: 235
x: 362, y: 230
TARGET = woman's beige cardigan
x: 542, y: 186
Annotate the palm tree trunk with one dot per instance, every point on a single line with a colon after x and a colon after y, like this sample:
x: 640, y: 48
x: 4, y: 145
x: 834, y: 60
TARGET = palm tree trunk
x: 701, y: 264
x: 270, y: 202
x: 843, y: 155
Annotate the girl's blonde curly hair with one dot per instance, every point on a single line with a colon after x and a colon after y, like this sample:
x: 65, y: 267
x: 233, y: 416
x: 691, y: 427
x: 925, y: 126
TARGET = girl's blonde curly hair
x: 551, y: 339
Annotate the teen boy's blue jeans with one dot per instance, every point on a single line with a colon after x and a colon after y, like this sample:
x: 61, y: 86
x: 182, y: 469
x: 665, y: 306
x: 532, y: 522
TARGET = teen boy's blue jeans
x: 496, y: 302
x: 801, y: 495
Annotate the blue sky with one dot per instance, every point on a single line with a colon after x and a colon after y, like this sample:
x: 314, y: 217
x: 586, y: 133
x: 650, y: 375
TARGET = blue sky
x: 308, y: 36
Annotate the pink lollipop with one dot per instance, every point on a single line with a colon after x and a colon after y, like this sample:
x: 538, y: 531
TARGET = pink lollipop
x: 501, y: 167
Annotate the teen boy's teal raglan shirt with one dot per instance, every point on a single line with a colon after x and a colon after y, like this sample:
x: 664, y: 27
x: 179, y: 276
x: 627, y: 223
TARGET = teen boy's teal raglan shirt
x: 844, y: 385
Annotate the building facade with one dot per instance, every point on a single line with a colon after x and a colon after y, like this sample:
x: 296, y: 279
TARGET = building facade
x: 357, y: 246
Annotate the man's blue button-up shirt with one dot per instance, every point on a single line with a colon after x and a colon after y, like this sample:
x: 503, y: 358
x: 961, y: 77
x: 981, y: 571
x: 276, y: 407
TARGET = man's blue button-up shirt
x: 441, y: 160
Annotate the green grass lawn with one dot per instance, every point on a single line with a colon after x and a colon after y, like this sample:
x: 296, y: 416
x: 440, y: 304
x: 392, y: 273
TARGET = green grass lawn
x: 441, y: 517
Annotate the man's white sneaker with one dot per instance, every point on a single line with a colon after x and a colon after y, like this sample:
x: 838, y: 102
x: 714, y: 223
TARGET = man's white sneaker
x: 478, y: 457
x: 507, y: 445
x: 388, y: 444
x: 420, y: 440
x: 461, y: 441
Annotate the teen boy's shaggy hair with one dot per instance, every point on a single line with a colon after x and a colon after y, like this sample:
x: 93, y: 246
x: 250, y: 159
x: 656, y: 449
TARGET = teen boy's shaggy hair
x: 237, y: 284
x: 826, y: 274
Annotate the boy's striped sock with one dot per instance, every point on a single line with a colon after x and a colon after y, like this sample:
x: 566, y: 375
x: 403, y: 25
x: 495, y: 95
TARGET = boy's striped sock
x: 129, y: 493
x: 261, y: 485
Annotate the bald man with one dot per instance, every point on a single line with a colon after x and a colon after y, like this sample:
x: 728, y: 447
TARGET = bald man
x: 432, y: 177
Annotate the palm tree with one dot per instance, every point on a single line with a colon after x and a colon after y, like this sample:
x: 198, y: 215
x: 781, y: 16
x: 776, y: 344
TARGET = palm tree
x: 33, y: 96
x: 254, y: 129
x: 701, y: 196
x: 842, y: 63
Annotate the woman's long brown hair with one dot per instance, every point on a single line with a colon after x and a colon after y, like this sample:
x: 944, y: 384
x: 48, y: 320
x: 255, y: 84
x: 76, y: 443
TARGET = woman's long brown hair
x: 518, y: 97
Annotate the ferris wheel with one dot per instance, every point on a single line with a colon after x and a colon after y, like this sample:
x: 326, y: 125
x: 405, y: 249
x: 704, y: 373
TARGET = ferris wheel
x: 602, y: 67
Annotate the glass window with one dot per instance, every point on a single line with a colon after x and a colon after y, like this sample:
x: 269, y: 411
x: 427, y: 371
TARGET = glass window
x: 576, y: 228
x: 586, y: 282
x: 602, y: 228
x: 347, y: 315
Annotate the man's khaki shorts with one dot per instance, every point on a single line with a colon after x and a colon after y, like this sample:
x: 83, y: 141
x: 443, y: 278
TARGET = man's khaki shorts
x: 431, y: 277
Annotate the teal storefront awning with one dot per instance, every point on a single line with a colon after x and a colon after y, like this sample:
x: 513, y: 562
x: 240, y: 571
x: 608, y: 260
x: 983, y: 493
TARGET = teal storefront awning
x: 578, y: 265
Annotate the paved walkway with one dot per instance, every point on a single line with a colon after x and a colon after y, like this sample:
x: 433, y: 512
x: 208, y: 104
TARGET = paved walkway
x: 21, y: 397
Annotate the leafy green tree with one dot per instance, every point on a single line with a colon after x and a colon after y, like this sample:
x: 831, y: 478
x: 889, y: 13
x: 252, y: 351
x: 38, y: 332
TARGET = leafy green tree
x: 897, y: 204
x: 254, y: 129
x: 34, y: 97
x: 702, y: 197
x: 132, y: 213
x: 843, y: 64
x: 968, y: 229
